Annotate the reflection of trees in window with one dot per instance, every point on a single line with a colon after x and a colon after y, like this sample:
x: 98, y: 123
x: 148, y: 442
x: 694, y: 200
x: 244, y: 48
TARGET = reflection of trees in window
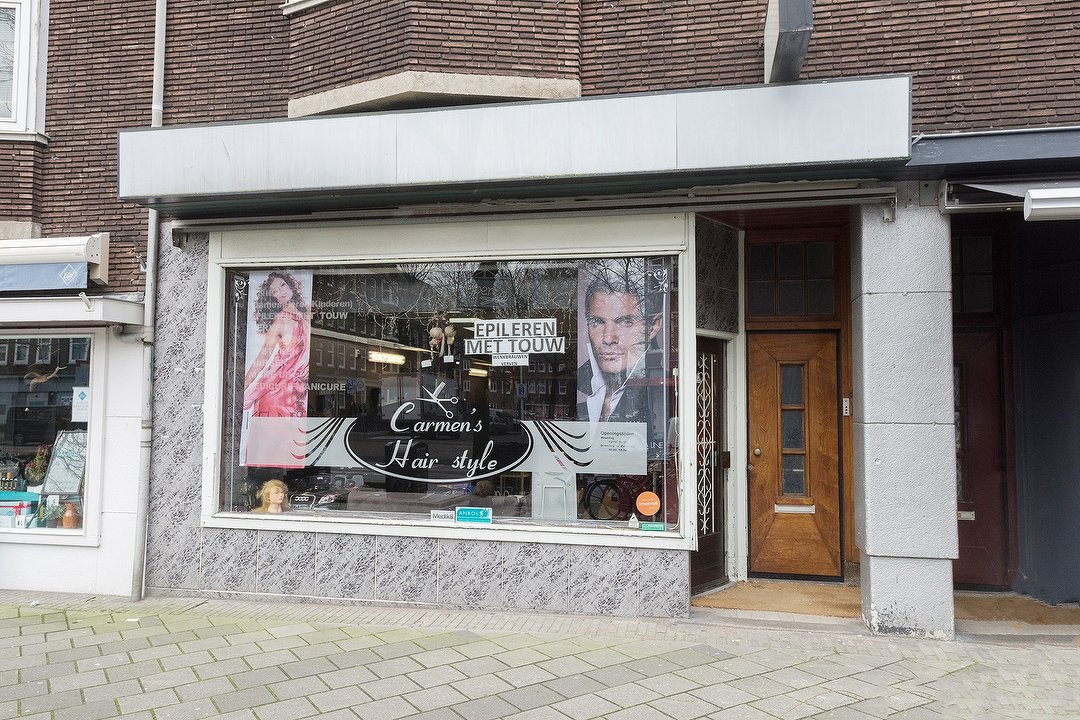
x: 7, y: 63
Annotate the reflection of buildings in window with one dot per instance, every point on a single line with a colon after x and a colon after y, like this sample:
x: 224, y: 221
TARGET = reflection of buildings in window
x: 562, y: 387
x: 8, y: 28
x: 44, y: 351
x: 78, y: 350
x: 3, y: 352
x: 22, y: 352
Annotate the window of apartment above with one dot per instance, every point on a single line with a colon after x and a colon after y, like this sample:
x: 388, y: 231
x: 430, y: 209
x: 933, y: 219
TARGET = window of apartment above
x: 22, y: 69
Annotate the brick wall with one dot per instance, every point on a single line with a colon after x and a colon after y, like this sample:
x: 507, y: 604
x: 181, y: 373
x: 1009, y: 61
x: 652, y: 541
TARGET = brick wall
x: 20, y: 188
x: 1006, y: 64
x: 225, y: 60
x: 347, y: 42
x: 99, y: 79
x: 344, y: 42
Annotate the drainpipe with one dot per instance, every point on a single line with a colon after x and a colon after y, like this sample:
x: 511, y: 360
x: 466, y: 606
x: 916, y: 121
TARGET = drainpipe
x: 142, y: 506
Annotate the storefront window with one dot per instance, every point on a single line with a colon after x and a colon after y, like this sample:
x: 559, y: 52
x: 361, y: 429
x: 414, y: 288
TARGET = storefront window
x: 44, y: 416
x: 542, y: 391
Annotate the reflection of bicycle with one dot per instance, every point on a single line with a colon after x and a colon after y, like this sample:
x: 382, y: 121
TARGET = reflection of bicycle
x: 611, y: 497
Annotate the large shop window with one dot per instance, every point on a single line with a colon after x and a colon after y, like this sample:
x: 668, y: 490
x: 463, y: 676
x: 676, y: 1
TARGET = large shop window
x: 532, y: 391
x: 44, y: 417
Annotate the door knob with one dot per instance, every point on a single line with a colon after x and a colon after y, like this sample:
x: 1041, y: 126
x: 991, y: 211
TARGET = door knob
x: 757, y: 451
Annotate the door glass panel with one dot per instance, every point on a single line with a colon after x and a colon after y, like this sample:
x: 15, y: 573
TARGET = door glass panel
x: 789, y: 260
x: 761, y: 300
x: 791, y: 429
x: 791, y: 384
x: 979, y: 293
x: 761, y: 261
x: 978, y: 255
x: 819, y: 259
x: 792, y: 300
x: 820, y: 297
x: 794, y: 475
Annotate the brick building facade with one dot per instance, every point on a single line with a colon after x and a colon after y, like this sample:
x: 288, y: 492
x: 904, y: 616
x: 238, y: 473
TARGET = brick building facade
x: 360, y: 120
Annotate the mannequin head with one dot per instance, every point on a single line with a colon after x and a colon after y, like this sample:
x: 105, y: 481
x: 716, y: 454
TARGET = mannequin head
x: 273, y: 497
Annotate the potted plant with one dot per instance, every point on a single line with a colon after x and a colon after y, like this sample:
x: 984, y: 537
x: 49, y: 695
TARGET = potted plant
x: 35, y: 469
x: 54, y: 515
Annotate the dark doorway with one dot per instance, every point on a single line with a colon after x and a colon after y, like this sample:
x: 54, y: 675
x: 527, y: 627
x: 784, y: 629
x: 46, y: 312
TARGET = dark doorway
x: 708, y: 565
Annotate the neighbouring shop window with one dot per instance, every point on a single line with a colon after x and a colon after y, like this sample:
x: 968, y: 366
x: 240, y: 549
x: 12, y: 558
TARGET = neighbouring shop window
x: 8, y: 26
x: 542, y: 390
x: 44, y: 418
x: 791, y: 279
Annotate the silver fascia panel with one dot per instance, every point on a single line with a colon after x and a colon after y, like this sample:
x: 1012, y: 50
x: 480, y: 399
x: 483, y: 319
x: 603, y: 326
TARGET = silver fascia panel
x: 842, y: 121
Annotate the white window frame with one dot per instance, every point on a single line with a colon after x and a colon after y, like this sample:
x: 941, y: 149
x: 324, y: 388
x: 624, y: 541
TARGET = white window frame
x: 43, y: 344
x: 31, y: 25
x: 93, y: 488
x: 25, y: 356
x: 3, y: 351
x: 518, y: 238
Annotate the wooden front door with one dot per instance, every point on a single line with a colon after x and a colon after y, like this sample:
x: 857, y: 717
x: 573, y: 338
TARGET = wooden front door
x: 980, y: 464
x: 794, y: 471
x: 708, y: 563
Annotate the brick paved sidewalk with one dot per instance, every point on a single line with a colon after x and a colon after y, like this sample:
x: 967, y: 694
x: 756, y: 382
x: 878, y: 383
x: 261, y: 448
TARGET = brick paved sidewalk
x: 82, y: 658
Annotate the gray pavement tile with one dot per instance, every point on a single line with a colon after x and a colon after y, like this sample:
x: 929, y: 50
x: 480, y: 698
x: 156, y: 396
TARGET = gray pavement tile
x: 185, y: 660
x: 348, y: 676
x: 288, y: 629
x: 760, y: 686
x: 485, y: 708
x: 257, y: 657
x: 628, y: 694
x: 282, y: 643
x: 245, y: 714
x: 529, y: 656
x: 527, y: 675
x: 247, y: 638
x: 390, y: 708
x: 194, y: 710
x: 330, y: 634
x: 304, y: 668
x: 439, y: 656
x: 80, y: 653
x: 171, y: 678
x: 317, y: 650
x: 52, y: 701
x: 104, y: 662
x: 208, y: 643
x: 155, y: 652
x: 441, y: 640
x: 247, y: 698
x: 218, y: 631
x: 96, y: 638
x: 219, y: 668
x: 293, y: 709
x: 359, y: 642
x: 669, y: 684
x: 147, y: 701
x: 88, y: 711
x: 615, y: 675
x: 385, y: 687
x: 262, y: 676
x: 299, y: 687
x: 573, y: 686
x: 565, y: 666
x: 741, y: 712
x: 114, y: 690
x: 682, y: 706
x: 44, y: 672
x: 585, y: 707
x: 785, y: 707
x: 397, y: 649
x: 540, y: 713
x: 435, y: 697
x: 741, y: 667
x: 436, y: 714
x: 14, y: 662
x: 722, y: 696
x: 24, y: 690
x: 481, y: 686
x: 171, y: 638
x: 562, y: 648
x: 46, y: 627
x: 433, y: 677
x: 692, y: 657
x: 531, y: 696
x: 856, y: 688
x: 793, y: 677
x: 338, y: 698
x: 77, y: 681
x: 396, y: 666
x: 480, y: 648
x: 638, y: 712
x: 352, y: 658
x: 656, y: 665
x: 204, y: 689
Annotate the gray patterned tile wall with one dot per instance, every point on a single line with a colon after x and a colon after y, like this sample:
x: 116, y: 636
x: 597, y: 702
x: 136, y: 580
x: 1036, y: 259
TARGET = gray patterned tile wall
x: 185, y: 558
x: 716, y: 261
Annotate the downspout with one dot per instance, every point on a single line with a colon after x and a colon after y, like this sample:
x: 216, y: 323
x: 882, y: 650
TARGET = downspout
x: 142, y: 505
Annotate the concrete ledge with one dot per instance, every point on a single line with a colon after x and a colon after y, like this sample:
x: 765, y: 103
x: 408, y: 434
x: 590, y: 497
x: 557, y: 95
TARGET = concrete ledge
x: 16, y: 229
x: 415, y: 88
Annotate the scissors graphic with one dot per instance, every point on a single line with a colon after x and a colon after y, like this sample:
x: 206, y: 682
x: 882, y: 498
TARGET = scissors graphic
x: 433, y: 397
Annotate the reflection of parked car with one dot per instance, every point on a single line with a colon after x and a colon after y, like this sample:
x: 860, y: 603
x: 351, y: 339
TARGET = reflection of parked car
x: 323, y: 491
x: 502, y: 422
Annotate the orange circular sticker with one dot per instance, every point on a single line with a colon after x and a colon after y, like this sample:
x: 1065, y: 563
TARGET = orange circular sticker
x: 648, y: 503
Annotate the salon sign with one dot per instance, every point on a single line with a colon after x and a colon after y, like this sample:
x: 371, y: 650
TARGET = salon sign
x: 432, y: 438
x: 510, y: 342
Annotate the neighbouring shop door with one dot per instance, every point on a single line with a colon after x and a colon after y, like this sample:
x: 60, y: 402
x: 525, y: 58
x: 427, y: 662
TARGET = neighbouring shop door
x: 980, y: 472
x: 708, y: 564
x: 793, y: 471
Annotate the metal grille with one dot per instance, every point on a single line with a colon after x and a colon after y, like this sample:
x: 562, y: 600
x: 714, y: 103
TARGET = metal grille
x: 706, y: 443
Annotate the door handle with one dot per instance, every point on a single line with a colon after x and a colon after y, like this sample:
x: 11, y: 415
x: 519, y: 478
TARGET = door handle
x: 757, y: 452
x: 749, y: 466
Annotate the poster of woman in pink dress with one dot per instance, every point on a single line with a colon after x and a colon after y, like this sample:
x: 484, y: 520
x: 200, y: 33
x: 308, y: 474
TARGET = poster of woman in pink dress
x: 276, y: 376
